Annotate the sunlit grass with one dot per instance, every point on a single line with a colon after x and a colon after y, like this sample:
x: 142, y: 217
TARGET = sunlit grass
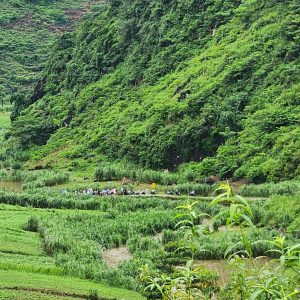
x: 70, y: 285
x: 4, y: 119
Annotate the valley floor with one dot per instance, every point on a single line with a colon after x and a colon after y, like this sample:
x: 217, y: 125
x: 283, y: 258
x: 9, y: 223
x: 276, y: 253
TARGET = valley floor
x: 49, y: 240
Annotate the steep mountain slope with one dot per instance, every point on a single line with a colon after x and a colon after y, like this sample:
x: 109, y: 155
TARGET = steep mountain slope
x: 27, y: 29
x: 162, y: 83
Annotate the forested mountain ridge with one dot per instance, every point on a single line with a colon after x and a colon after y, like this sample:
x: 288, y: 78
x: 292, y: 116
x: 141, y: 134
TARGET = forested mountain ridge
x: 162, y: 83
x: 27, y: 30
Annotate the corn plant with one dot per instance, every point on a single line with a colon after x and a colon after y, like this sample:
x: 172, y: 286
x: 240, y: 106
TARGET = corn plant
x: 188, y: 224
x: 237, y: 211
x: 182, y: 285
x: 269, y: 285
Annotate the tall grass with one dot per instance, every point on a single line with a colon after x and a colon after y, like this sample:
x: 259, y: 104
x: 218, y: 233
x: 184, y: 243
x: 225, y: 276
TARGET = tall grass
x: 269, y: 189
x: 43, y: 198
x: 38, y: 179
x: 106, y: 172
x: 76, y: 239
x: 282, y: 211
x: 109, y: 171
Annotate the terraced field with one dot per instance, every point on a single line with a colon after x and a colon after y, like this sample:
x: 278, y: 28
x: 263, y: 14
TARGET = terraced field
x: 17, y: 285
x: 26, y: 272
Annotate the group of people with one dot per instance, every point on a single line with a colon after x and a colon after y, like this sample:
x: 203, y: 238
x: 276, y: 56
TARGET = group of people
x: 97, y: 192
x: 173, y: 193
x: 122, y: 191
x: 110, y: 192
x: 170, y: 192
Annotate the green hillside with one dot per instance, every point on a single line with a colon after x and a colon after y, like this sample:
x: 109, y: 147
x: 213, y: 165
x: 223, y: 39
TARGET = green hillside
x: 151, y: 149
x: 213, y: 85
x: 27, y: 29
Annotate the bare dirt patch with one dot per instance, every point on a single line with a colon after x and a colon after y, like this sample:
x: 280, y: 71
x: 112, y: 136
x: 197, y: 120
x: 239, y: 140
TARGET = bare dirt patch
x: 23, y: 22
x: 113, y: 257
x: 215, y: 265
x: 206, y: 221
x: 76, y: 14
x: 223, y: 269
x: 73, y: 15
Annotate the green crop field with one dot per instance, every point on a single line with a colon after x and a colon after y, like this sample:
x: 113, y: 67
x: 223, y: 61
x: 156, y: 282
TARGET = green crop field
x: 26, y: 272
x: 149, y: 149
x: 47, y: 236
x: 39, y: 286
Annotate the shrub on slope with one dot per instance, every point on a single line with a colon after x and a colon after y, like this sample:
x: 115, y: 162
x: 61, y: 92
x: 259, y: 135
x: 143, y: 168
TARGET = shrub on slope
x: 211, y: 82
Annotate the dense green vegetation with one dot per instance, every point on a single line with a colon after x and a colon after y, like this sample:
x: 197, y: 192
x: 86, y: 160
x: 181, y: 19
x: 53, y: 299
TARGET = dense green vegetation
x: 269, y: 189
x: 4, y: 122
x: 27, y: 29
x: 250, y: 278
x: 75, y: 239
x: 164, y: 83
x: 113, y: 171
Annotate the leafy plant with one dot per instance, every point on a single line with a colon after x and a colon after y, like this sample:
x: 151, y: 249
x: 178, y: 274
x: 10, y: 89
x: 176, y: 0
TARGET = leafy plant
x: 189, y: 220
x: 238, y: 212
